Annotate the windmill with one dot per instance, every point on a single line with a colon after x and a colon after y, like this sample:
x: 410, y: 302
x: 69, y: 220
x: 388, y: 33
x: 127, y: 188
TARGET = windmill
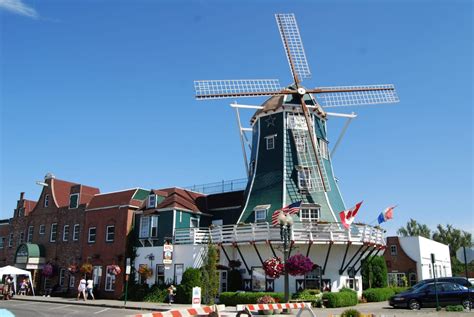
x: 303, y: 118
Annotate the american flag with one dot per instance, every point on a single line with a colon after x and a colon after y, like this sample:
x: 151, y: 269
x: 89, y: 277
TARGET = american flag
x: 290, y: 210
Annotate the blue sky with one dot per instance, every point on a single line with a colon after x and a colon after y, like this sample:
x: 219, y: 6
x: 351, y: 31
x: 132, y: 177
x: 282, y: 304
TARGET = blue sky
x: 101, y: 93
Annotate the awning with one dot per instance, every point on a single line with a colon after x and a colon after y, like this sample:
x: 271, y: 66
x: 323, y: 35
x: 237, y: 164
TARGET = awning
x: 29, y: 256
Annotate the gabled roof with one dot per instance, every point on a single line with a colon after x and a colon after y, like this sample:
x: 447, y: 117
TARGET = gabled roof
x: 29, y: 205
x: 178, y: 198
x: 114, y: 199
x: 62, y: 189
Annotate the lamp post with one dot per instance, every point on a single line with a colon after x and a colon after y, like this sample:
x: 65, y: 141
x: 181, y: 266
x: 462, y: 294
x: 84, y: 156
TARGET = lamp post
x: 286, y: 221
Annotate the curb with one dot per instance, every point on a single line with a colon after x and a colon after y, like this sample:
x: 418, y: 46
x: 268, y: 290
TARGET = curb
x: 32, y: 299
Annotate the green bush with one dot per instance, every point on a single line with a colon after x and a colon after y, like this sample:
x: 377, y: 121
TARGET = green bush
x: 340, y: 299
x: 184, y: 291
x: 350, y: 313
x: 398, y: 289
x: 156, y: 295
x: 314, y: 296
x: 454, y: 308
x: 237, y: 298
x: 378, y: 294
x: 137, y: 292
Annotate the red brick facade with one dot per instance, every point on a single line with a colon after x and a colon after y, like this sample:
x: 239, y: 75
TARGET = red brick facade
x: 398, y: 261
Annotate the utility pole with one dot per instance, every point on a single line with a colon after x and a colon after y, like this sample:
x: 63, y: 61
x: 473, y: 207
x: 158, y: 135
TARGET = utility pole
x: 434, y: 275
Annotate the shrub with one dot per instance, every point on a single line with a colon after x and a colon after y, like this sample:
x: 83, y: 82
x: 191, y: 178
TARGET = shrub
x: 378, y: 294
x: 340, y: 299
x: 454, y: 308
x: 399, y: 289
x: 235, y: 281
x: 210, y: 278
x: 314, y: 296
x: 137, y: 292
x: 374, y: 274
x: 237, y: 298
x: 350, y: 313
x: 156, y: 295
x: 191, y: 278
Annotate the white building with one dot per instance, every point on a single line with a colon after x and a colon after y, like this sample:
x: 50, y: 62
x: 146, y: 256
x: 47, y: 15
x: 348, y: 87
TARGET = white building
x: 410, y: 257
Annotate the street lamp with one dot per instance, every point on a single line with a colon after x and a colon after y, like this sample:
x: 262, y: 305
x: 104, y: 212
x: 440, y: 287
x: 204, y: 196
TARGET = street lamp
x: 286, y: 221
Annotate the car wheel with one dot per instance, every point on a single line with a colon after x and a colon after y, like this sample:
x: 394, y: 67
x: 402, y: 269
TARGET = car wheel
x: 466, y: 303
x: 414, y: 304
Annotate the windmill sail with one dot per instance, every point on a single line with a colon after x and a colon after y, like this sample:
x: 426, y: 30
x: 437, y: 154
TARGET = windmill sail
x: 215, y: 89
x: 355, y: 95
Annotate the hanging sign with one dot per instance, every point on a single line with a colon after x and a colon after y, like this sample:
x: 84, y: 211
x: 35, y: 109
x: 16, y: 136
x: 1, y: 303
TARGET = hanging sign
x: 167, y: 254
x: 128, y: 267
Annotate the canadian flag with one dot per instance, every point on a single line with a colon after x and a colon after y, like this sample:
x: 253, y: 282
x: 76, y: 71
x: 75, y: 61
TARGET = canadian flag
x: 347, y: 216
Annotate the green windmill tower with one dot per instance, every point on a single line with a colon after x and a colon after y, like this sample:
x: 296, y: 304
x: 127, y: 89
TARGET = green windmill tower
x: 289, y: 159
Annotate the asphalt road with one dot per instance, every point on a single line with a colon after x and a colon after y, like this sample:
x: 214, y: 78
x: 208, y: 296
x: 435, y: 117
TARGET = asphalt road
x: 27, y: 309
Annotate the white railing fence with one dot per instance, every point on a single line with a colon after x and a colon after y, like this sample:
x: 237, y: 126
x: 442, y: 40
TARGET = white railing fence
x: 302, y: 232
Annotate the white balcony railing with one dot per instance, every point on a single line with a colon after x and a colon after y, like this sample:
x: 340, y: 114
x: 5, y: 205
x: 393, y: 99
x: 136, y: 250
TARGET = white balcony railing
x: 300, y: 233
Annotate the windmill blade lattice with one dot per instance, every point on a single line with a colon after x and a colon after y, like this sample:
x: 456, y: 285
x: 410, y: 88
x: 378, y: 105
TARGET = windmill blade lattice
x: 215, y: 89
x: 290, y: 36
x: 355, y: 95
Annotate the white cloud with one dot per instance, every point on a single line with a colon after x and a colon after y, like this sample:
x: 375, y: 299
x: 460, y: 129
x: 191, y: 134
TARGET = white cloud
x: 18, y: 7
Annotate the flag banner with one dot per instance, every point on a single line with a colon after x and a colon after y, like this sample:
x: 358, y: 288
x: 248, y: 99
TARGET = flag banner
x: 386, y: 214
x: 347, y: 216
x: 290, y: 210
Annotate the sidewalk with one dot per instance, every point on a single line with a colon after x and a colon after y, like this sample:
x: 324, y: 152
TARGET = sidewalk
x: 112, y: 303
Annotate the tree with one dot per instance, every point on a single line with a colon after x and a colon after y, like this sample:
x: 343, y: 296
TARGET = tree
x: 413, y: 228
x: 453, y: 237
x: 191, y: 278
x: 210, y: 277
x: 374, y: 272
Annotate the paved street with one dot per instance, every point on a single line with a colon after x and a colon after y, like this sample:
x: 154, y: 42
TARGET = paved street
x: 37, y: 309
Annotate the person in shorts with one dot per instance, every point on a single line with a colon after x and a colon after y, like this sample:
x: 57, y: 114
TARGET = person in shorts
x: 90, y: 288
x: 81, y: 289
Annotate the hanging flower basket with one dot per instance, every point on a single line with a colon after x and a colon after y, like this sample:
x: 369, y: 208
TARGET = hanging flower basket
x: 145, y: 271
x: 73, y: 268
x: 48, y: 270
x: 273, y: 267
x: 86, y: 268
x: 299, y: 264
x: 113, y: 269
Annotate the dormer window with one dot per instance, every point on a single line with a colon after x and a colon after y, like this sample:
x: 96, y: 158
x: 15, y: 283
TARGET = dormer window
x: 261, y: 213
x: 46, y: 201
x: 73, y: 201
x: 270, y: 141
x: 152, y: 201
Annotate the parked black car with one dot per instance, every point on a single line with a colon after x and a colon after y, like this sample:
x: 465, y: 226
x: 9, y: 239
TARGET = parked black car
x: 458, y: 280
x: 424, y: 295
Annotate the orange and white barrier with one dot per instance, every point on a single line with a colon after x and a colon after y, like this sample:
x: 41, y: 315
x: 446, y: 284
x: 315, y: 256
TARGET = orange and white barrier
x: 246, y: 309
x: 188, y: 312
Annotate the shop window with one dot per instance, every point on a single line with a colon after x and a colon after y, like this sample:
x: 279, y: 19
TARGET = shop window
x: 97, y: 276
x: 109, y: 282
x: 178, y: 273
x: 258, y: 279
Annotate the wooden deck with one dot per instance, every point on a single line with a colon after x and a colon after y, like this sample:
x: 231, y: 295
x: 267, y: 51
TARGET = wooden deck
x: 302, y: 233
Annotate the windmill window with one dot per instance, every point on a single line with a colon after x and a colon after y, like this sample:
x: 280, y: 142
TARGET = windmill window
x: 261, y: 213
x: 323, y: 148
x: 73, y: 201
x: 270, y: 141
x: 304, y: 178
x: 310, y: 213
x: 300, y: 143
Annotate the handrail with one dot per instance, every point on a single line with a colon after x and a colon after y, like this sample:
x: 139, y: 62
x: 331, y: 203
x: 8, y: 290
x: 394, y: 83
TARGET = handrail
x: 301, y: 232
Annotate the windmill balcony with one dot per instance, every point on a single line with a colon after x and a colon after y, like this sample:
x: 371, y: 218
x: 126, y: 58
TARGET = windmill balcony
x: 301, y: 233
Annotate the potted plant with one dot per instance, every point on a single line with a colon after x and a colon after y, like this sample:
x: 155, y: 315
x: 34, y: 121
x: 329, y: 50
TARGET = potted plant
x: 266, y: 300
x: 86, y: 268
x: 113, y: 269
x: 145, y: 271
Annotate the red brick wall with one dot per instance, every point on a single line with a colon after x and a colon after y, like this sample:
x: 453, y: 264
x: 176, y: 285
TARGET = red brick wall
x: 401, y: 262
x: 103, y: 253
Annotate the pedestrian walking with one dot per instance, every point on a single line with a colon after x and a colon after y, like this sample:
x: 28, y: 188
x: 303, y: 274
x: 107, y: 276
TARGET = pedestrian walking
x: 171, y: 291
x: 81, y: 289
x: 90, y: 288
x: 10, y: 291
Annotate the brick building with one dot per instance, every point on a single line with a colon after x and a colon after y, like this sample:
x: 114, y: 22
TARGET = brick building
x: 108, y: 222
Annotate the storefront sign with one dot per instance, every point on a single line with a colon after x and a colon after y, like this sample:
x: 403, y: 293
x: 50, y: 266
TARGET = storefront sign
x: 167, y: 254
